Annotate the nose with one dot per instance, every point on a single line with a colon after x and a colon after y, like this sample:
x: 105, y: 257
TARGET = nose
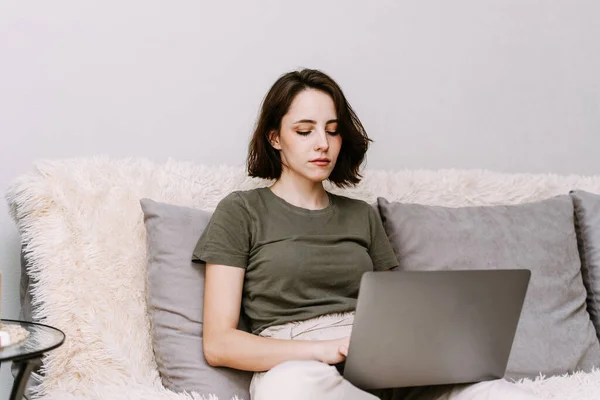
x: 322, y: 141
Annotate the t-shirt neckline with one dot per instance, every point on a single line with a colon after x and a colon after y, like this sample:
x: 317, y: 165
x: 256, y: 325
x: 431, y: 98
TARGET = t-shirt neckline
x: 297, y: 209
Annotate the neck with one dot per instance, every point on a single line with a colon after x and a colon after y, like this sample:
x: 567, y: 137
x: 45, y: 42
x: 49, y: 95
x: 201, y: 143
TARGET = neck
x: 300, y: 191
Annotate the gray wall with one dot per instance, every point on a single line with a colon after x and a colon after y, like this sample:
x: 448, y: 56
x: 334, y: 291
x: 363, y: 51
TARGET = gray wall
x: 508, y: 85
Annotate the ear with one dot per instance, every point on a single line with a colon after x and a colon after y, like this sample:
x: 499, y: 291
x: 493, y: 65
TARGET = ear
x: 274, y: 140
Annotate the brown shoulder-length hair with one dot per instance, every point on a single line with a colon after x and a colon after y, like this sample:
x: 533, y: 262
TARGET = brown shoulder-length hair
x: 264, y: 161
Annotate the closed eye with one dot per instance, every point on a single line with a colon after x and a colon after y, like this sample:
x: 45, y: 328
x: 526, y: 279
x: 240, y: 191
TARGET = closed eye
x: 304, y: 133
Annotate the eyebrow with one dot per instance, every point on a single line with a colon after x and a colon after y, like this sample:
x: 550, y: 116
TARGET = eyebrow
x: 310, y: 121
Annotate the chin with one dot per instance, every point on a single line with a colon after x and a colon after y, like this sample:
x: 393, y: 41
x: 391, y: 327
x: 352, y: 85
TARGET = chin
x: 313, y: 175
x: 318, y: 178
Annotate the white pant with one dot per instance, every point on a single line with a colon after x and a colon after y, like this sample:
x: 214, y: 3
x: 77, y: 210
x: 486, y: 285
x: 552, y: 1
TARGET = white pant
x: 315, y: 380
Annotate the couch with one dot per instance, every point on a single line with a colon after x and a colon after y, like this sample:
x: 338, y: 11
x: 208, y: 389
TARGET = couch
x: 85, y: 261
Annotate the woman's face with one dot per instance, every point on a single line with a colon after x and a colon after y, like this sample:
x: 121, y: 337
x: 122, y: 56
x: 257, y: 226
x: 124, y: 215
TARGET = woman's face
x: 308, y: 140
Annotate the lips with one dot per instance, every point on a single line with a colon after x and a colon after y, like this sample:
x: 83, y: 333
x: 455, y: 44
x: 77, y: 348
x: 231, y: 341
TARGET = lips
x: 321, y: 162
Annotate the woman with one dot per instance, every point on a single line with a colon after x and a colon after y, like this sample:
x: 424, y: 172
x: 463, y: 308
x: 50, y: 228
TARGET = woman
x: 293, y: 253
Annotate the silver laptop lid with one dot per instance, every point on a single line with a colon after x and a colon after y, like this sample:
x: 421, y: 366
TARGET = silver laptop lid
x: 434, y: 327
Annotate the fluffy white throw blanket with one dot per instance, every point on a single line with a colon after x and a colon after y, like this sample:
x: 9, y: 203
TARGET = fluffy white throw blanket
x: 84, y: 238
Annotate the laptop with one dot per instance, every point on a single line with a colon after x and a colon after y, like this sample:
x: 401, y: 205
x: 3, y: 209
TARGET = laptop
x: 434, y: 327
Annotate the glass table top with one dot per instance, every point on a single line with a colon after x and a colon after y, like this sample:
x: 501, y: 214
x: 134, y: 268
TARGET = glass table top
x: 42, y: 338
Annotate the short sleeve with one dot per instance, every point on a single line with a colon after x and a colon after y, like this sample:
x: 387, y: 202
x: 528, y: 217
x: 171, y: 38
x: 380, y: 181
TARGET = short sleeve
x: 381, y: 251
x: 226, y: 239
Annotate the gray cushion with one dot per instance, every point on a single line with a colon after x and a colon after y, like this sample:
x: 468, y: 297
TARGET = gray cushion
x: 555, y: 334
x: 175, y: 300
x: 587, y: 218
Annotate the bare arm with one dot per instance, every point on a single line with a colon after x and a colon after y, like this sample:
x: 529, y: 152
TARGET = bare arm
x: 226, y: 346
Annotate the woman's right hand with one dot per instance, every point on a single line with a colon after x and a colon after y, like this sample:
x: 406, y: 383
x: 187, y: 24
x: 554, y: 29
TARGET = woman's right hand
x: 332, y: 351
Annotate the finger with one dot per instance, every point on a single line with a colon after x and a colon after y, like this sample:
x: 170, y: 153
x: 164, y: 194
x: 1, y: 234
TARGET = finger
x: 344, y: 350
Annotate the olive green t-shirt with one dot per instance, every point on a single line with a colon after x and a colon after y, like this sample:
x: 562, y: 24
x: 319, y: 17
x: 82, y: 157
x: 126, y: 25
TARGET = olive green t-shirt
x: 299, y: 263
